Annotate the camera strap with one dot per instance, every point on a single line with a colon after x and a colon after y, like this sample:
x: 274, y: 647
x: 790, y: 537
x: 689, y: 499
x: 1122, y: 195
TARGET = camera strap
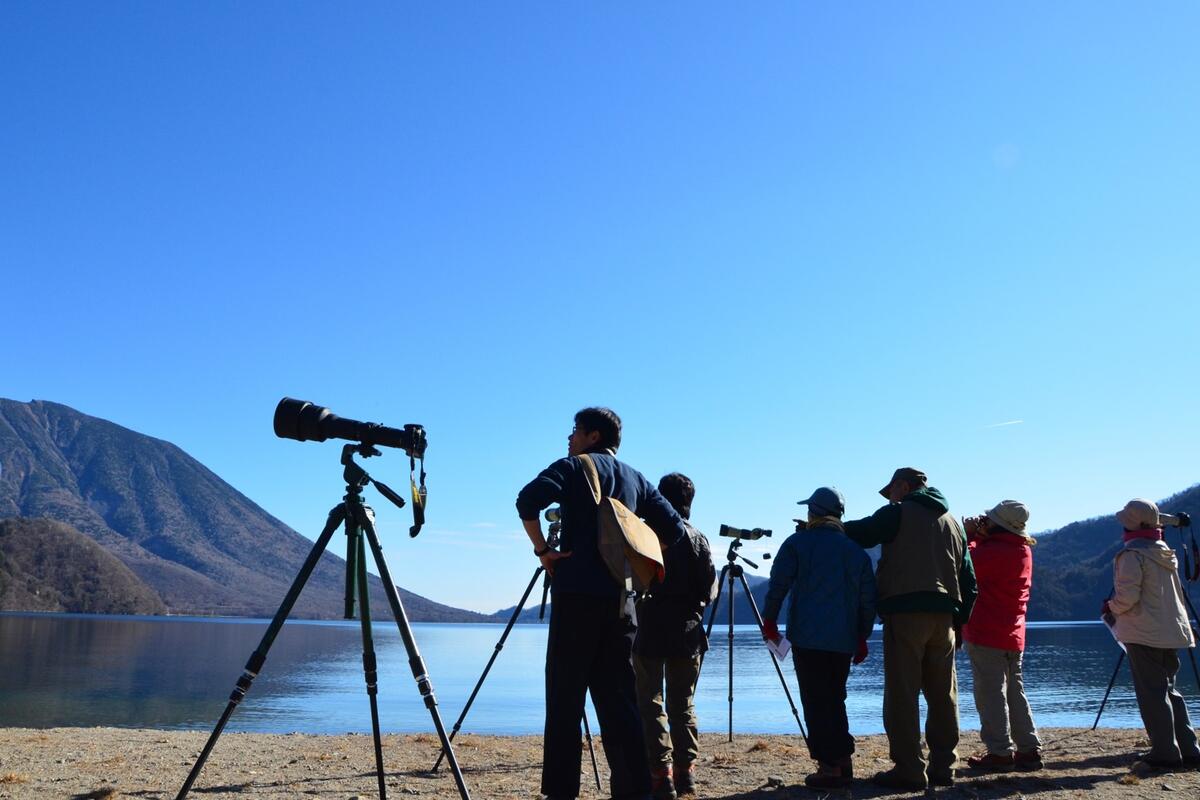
x: 1191, y: 555
x: 419, y: 494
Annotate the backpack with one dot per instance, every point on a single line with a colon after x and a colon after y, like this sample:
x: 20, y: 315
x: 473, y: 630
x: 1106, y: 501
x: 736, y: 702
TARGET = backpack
x: 628, y: 547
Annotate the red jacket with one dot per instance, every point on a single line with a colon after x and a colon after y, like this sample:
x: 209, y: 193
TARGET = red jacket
x: 1004, y: 570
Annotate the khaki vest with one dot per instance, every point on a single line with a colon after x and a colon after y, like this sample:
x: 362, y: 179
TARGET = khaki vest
x: 925, y: 555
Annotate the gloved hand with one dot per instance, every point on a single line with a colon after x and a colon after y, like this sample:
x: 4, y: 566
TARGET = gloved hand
x: 860, y: 655
x: 770, y: 631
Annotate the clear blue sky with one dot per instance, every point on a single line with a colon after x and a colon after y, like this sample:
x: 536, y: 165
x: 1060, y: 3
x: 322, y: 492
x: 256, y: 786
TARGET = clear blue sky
x: 792, y: 245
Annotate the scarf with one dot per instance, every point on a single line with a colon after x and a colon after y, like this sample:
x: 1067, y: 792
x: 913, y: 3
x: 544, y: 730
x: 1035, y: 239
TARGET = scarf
x: 1154, y: 534
x: 829, y: 522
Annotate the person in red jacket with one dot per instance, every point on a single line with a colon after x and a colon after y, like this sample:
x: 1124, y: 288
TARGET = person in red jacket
x: 995, y: 638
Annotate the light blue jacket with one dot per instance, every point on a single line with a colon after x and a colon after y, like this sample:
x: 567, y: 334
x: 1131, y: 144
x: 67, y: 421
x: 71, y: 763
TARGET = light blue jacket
x: 831, y: 590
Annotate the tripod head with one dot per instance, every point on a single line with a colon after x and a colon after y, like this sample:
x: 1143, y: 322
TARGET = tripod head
x: 733, y: 556
x: 357, y: 477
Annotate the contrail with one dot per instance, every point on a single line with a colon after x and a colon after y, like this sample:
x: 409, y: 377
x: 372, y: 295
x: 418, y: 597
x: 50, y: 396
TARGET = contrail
x: 1003, y: 424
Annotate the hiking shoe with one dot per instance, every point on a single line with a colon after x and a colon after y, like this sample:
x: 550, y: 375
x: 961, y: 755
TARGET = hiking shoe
x: 1027, y: 762
x: 994, y: 762
x: 1157, y: 765
x: 892, y: 779
x: 827, y: 776
x: 661, y: 786
x: 942, y: 778
x: 685, y: 779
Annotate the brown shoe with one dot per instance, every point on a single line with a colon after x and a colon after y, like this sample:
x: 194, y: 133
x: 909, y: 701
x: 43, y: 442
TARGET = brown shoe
x: 685, y: 778
x: 1028, y: 762
x: 827, y: 776
x: 992, y: 762
x: 661, y: 786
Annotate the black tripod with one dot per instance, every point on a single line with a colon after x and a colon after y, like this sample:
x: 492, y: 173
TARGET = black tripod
x: 1193, y: 620
x: 359, y: 520
x: 730, y: 571
x: 552, y: 516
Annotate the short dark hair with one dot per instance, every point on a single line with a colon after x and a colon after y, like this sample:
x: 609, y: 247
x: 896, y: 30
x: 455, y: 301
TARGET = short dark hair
x: 603, y: 421
x: 679, y: 491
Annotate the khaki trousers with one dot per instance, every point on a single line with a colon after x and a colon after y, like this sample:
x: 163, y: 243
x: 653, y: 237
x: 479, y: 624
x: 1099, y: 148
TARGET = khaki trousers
x: 918, y: 657
x: 681, y: 743
x: 1000, y: 698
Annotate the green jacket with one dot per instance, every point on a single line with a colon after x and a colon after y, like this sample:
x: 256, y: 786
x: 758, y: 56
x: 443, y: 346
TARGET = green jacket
x: 925, y: 565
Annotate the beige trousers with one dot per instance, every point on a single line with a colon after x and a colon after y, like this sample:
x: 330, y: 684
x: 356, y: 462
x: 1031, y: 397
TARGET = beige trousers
x: 918, y: 657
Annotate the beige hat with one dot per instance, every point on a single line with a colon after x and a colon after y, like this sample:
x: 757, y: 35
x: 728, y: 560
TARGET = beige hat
x: 1010, y: 515
x: 1138, y: 514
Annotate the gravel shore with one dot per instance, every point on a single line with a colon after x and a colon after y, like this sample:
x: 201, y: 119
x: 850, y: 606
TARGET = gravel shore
x: 104, y: 763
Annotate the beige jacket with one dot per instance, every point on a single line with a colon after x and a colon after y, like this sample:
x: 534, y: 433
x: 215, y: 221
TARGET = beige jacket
x: 1148, y: 598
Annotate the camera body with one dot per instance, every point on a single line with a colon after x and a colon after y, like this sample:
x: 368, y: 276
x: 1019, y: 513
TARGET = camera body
x: 744, y: 533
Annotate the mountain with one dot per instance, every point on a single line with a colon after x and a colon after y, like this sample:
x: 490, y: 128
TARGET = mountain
x: 204, y: 547
x: 50, y: 566
x: 1072, y: 566
x: 741, y: 606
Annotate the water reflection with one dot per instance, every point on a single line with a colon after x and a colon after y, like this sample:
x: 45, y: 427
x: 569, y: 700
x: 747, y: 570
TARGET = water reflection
x: 177, y: 673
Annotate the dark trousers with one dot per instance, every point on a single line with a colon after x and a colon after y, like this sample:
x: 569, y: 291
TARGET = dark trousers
x: 1163, y: 710
x: 590, y: 649
x: 822, y: 677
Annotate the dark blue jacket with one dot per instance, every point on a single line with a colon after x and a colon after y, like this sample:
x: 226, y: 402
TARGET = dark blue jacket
x: 832, y: 589
x: 671, y: 616
x: 565, y: 483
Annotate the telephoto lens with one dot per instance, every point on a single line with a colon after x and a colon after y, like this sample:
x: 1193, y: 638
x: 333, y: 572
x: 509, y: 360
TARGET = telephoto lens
x: 305, y: 421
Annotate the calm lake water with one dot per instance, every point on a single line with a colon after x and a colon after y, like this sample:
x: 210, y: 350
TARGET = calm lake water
x: 176, y: 673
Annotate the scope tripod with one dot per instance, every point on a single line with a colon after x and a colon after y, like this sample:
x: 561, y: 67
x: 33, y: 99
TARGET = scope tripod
x: 729, y: 572
x: 359, y: 520
x: 551, y: 541
x: 1193, y: 621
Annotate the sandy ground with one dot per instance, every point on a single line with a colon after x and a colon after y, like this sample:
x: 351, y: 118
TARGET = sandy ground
x: 103, y: 763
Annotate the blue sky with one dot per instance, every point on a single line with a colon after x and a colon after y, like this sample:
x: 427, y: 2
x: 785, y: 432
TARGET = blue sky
x: 791, y: 245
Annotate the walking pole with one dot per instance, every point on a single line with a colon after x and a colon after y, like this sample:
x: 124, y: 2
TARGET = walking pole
x: 1111, y: 681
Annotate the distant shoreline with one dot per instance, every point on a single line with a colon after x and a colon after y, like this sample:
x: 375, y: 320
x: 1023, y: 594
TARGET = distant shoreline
x: 150, y: 764
x: 1044, y: 623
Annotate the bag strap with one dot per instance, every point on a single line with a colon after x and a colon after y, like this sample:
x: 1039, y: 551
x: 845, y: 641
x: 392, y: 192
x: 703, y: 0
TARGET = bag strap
x: 593, y: 477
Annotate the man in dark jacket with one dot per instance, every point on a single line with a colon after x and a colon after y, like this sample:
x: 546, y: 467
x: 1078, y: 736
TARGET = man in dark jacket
x: 830, y: 615
x: 591, y: 628
x: 669, y: 642
x: 926, y: 592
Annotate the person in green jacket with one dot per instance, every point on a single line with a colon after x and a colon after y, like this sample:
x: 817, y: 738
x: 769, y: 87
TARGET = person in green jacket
x: 926, y: 591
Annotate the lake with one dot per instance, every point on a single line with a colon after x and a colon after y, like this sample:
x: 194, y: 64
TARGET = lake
x: 176, y: 673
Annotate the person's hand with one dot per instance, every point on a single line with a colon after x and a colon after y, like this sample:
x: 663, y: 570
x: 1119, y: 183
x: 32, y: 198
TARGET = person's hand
x: 550, y: 556
x: 860, y: 655
x: 770, y: 631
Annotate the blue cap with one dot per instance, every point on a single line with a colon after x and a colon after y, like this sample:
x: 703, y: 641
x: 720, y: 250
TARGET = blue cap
x: 826, y: 501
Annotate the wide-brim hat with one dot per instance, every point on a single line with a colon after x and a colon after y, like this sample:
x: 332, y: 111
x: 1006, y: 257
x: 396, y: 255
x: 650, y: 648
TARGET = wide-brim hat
x: 911, y: 475
x: 1138, y: 514
x: 1010, y: 515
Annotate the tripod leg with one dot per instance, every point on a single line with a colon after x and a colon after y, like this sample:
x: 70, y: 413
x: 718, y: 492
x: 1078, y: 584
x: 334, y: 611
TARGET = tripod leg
x: 1194, y: 622
x: 712, y: 616
x: 259, y: 657
x: 730, y: 604
x: 496, y: 652
x: 587, y: 732
x: 424, y: 686
x: 1111, y: 681
x: 775, y: 661
x: 370, y: 671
